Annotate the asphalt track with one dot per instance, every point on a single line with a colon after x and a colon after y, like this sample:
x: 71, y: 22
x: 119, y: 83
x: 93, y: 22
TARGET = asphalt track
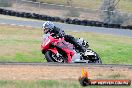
x: 70, y: 27
x: 66, y: 64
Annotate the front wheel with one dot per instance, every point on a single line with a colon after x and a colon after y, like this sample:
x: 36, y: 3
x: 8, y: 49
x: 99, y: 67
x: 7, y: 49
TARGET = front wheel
x: 51, y: 57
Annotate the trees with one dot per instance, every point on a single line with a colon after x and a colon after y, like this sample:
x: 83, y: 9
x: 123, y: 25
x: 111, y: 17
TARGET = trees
x: 109, y: 13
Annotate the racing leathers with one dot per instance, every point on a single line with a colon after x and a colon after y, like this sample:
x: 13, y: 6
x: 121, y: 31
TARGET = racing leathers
x: 68, y: 38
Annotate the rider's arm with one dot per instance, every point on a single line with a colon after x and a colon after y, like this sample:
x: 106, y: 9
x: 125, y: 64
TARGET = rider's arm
x: 58, y: 32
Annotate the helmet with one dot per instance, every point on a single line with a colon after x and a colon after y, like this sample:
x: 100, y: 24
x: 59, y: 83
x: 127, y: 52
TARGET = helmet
x: 47, y: 26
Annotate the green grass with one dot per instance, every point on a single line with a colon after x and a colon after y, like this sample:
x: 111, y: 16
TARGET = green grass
x: 124, y: 5
x: 21, y: 44
x: 112, y: 49
x: 48, y: 84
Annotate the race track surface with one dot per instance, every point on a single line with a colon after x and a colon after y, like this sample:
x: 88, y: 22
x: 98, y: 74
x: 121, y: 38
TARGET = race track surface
x: 70, y: 27
x: 66, y: 64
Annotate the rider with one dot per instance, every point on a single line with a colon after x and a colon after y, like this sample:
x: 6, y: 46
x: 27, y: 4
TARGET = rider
x: 49, y: 27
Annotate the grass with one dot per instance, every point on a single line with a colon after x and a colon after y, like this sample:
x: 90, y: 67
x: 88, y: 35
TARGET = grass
x: 48, y: 84
x: 112, y: 49
x: 22, y: 44
x: 77, y: 3
x: 124, y: 5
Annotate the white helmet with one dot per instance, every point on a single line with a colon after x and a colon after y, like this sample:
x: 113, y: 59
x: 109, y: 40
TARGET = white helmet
x: 48, y: 25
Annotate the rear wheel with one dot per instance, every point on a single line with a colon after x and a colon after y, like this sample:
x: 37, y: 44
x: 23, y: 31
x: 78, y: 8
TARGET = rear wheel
x: 97, y: 59
x: 51, y: 57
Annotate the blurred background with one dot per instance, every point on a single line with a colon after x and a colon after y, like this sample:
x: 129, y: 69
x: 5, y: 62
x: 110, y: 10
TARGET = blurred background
x: 108, y: 11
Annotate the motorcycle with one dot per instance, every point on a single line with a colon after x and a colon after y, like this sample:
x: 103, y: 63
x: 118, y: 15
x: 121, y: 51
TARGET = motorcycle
x: 56, y: 49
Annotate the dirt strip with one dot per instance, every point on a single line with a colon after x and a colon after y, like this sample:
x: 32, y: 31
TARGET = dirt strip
x: 36, y: 72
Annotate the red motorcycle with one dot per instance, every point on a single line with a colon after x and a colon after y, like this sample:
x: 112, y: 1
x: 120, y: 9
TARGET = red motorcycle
x: 56, y: 49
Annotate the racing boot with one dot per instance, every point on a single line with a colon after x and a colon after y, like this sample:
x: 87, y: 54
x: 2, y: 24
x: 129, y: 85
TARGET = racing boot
x: 81, y: 48
x: 74, y: 41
